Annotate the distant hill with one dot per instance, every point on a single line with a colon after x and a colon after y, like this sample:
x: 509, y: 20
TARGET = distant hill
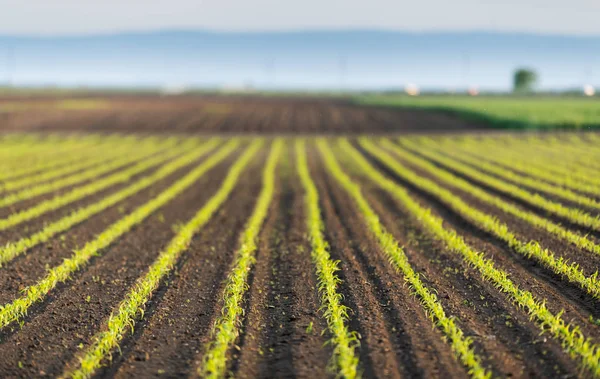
x: 304, y: 59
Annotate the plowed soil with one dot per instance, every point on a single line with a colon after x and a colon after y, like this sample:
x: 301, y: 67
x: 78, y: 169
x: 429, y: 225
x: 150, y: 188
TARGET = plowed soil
x: 229, y: 115
x: 283, y: 331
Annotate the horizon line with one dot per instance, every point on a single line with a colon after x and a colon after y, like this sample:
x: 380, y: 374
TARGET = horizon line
x: 217, y: 31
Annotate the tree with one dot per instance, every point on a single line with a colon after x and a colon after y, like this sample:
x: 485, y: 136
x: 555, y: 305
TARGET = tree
x: 524, y: 80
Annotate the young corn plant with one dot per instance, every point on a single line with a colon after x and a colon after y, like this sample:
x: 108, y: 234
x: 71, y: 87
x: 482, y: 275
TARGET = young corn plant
x: 574, y: 215
x: 226, y: 329
x: 529, y: 249
x: 344, y: 341
x: 94, y: 173
x: 92, y: 188
x: 14, y: 249
x: 572, y: 339
x: 582, y: 242
x: 124, y: 317
x: 461, y: 345
x: 17, y: 309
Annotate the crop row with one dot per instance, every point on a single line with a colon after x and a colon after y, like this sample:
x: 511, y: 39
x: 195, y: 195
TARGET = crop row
x: 574, y: 215
x: 227, y: 327
x: 17, y: 309
x: 524, y: 181
x: 32, y: 156
x: 571, y: 338
x: 123, y: 318
x: 522, y: 157
x: 529, y: 249
x: 94, y: 156
x: 405, y: 159
x: 78, y: 193
x: 506, y: 206
x: 28, y: 193
x: 14, y: 249
x: 461, y: 345
x: 343, y: 340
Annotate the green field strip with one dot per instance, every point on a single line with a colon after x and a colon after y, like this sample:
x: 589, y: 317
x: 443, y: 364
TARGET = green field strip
x: 529, y: 249
x: 527, y: 151
x: 574, y: 215
x: 123, y: 319
x: 92, y: 188
x: 119, y: 163
x: 532, y: 218
x: 19, y: 139
x: 32, y: 146
x: 580, y: 180
x: 565, y: 156
x: 61, y: 152
x: 28, y: 153
x: 226, y: 329
x: 522, y: 181
x: 13, y: 249
x: 18, y: 308
x: 527, y: 145
x: 460, y: 344
x: 526, y: 154
x: 83, y: 163
x: 575, y: 343
x: 65, y: 157
x: 556, y: 168
x: 62, y: 155
x: 343, y: 341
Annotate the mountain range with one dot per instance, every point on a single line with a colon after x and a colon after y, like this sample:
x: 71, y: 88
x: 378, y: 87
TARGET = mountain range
x: 346, y: 59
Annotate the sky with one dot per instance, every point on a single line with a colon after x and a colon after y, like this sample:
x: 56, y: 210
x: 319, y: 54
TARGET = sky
x: 86, y: 42
x: 60, y: 17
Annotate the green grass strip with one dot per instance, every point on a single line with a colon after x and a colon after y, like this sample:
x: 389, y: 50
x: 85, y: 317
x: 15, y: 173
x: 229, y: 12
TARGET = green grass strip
x: 91, y: 188
x: 14, y: 249
x: 461, y: 345
x: 574, y: 215
x: 93, y: 173
x: 344, y: 342
x: 123, y: 319
x: 500, y: 230
x: 508, y: 175
x: 532, y: 218
x: 572, y: 339
x: 59, y: 274
x: 83, y: 163
x: 226, y: 329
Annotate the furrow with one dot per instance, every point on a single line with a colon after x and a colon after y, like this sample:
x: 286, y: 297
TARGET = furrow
x: 18, y: 308
x: 461, y: 345
x: 123, y: 318
x: 572, y: 339
x: 14, y: 249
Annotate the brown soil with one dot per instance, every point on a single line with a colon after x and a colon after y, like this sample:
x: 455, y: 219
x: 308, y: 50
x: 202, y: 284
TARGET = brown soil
x: 284, y: 333
x: 283, y: 329
x: 233, y: 115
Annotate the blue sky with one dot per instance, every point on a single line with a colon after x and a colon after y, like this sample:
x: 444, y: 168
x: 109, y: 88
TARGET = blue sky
x: 92, y: 16
x: 556, y: 38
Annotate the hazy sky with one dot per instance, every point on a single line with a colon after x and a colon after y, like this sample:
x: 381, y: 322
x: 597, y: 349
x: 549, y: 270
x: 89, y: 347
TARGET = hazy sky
x: 93, y: 16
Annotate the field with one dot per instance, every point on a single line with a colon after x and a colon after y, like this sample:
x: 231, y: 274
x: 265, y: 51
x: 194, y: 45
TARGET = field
x: 216, y: 114
x: 293, y: 238
x: 557, y: 112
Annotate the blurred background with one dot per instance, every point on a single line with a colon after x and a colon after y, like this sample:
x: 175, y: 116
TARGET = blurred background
x: 182, y: 45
